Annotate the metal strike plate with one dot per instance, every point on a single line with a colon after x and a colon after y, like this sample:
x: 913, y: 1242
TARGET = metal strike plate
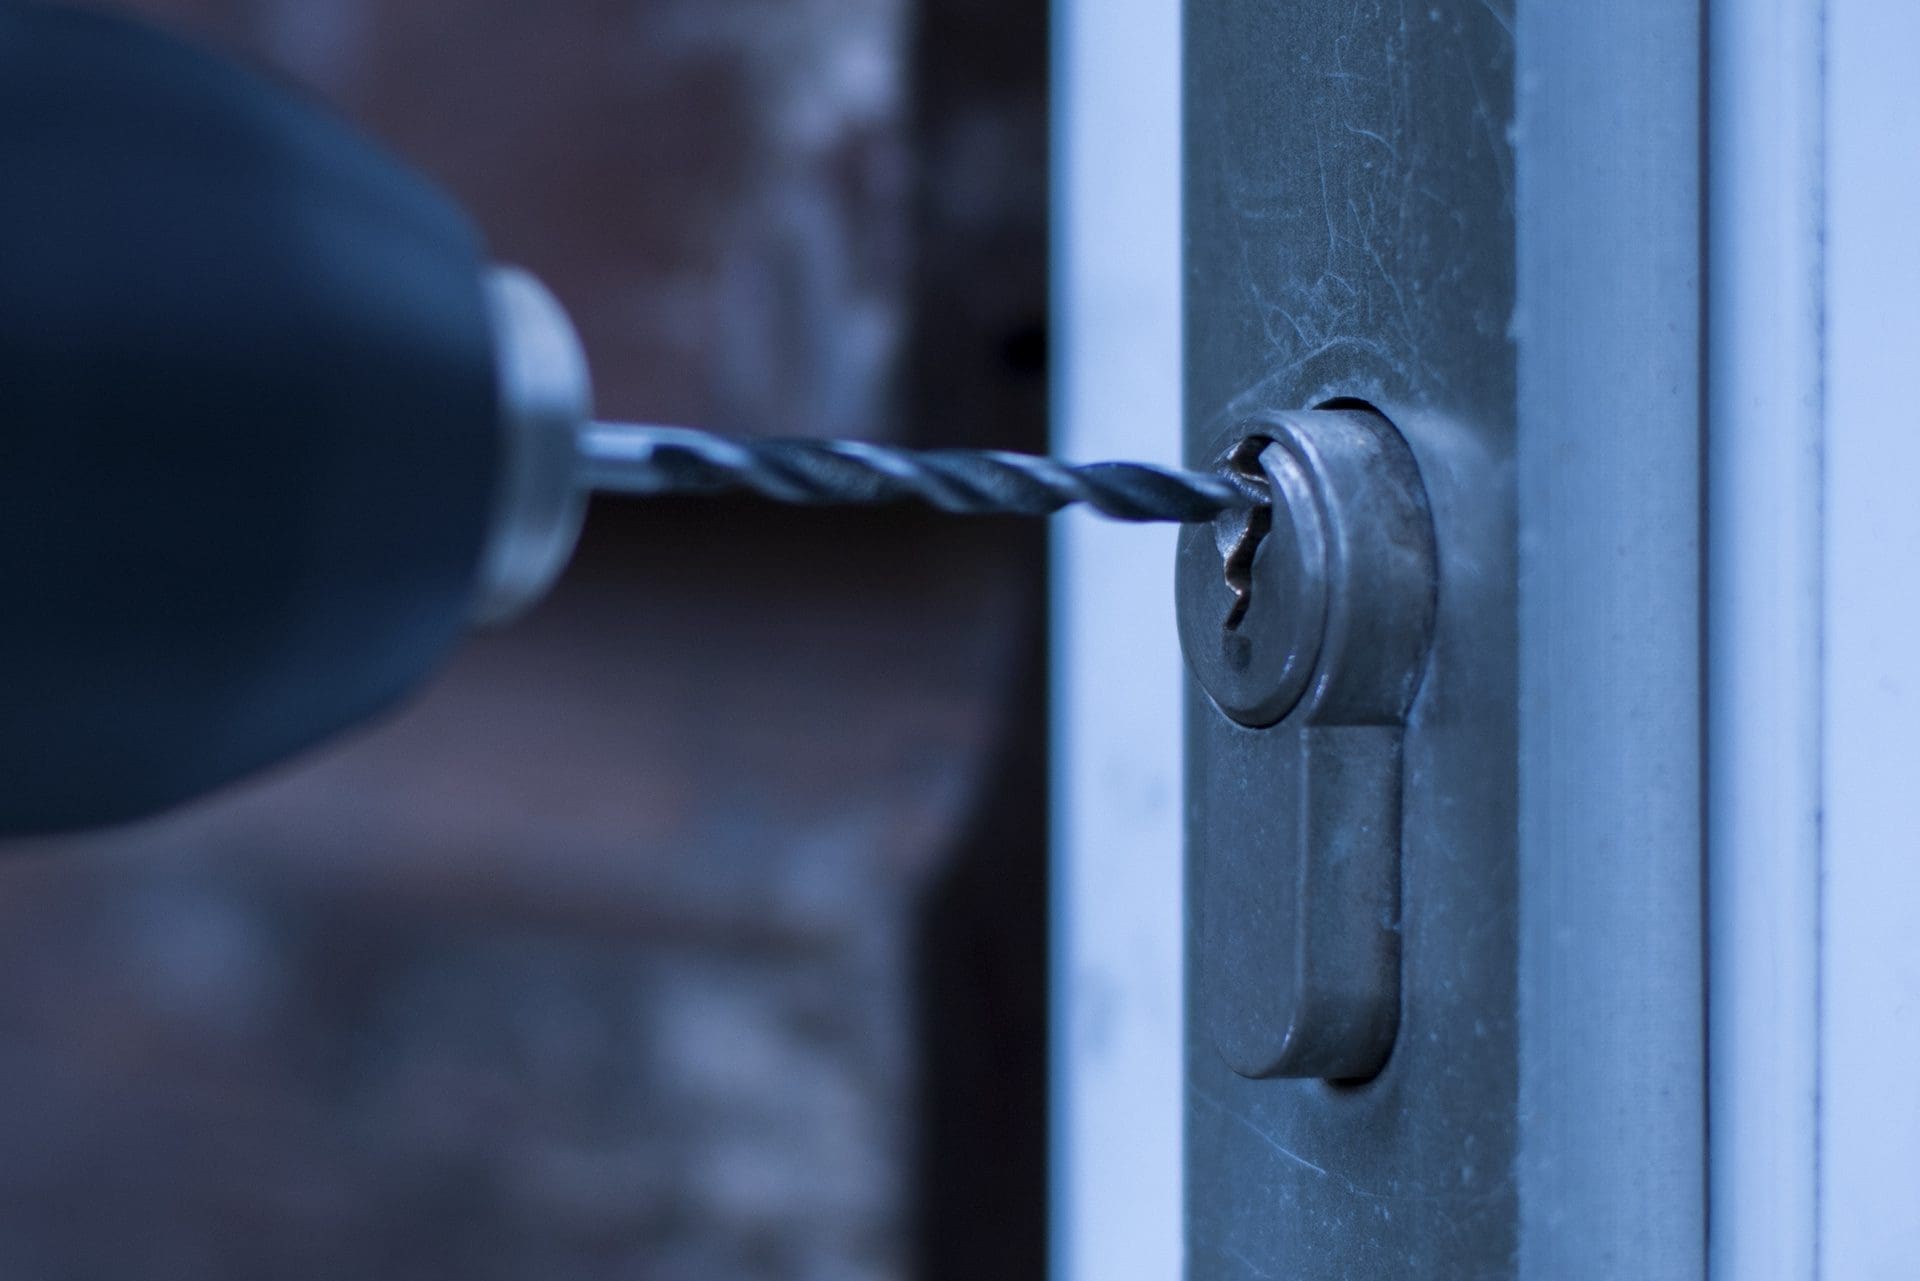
x: 1308, y: 627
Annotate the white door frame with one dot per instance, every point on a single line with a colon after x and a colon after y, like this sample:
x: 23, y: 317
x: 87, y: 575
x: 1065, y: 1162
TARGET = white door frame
x: 1117, y: 671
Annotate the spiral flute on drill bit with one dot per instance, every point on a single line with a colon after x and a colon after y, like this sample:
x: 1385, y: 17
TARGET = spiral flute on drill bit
x: 656, y: 461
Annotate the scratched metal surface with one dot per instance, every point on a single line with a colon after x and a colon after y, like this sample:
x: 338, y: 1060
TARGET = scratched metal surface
x: 1350, y: 232
x: 1490, y: 229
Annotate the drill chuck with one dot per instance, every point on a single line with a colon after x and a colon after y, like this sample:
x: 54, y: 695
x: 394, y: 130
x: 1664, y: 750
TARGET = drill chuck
x: 545, y: 398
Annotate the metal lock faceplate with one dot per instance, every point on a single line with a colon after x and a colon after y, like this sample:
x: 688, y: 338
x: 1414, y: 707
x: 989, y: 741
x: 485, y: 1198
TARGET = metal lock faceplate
x: 1308, y: 627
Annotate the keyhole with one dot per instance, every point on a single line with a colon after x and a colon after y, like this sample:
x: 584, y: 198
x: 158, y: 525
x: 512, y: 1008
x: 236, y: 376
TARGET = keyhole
x: 1242, y: 545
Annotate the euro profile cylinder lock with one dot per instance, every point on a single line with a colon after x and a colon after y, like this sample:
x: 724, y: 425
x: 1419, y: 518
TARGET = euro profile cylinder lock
x: 1306, y: 621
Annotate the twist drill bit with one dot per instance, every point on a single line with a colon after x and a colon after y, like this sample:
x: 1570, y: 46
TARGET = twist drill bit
x: 657, y: 461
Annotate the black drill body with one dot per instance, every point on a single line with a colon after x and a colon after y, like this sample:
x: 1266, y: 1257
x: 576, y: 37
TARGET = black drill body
x: 247, y: 422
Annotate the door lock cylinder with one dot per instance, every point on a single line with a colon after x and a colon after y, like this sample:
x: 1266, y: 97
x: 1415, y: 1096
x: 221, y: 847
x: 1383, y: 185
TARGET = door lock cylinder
x: 1306, y: 621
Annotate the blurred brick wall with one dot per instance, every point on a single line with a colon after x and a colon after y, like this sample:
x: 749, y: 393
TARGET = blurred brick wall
x: 599, y: 961
x: 717, y: 189
x: 594, y: 964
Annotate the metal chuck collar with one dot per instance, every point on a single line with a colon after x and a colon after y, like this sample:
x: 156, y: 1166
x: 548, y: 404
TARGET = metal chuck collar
x: 546, y: 398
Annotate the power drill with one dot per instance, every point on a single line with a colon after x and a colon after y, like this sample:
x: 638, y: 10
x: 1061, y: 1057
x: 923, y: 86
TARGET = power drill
x: 274, y: 433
